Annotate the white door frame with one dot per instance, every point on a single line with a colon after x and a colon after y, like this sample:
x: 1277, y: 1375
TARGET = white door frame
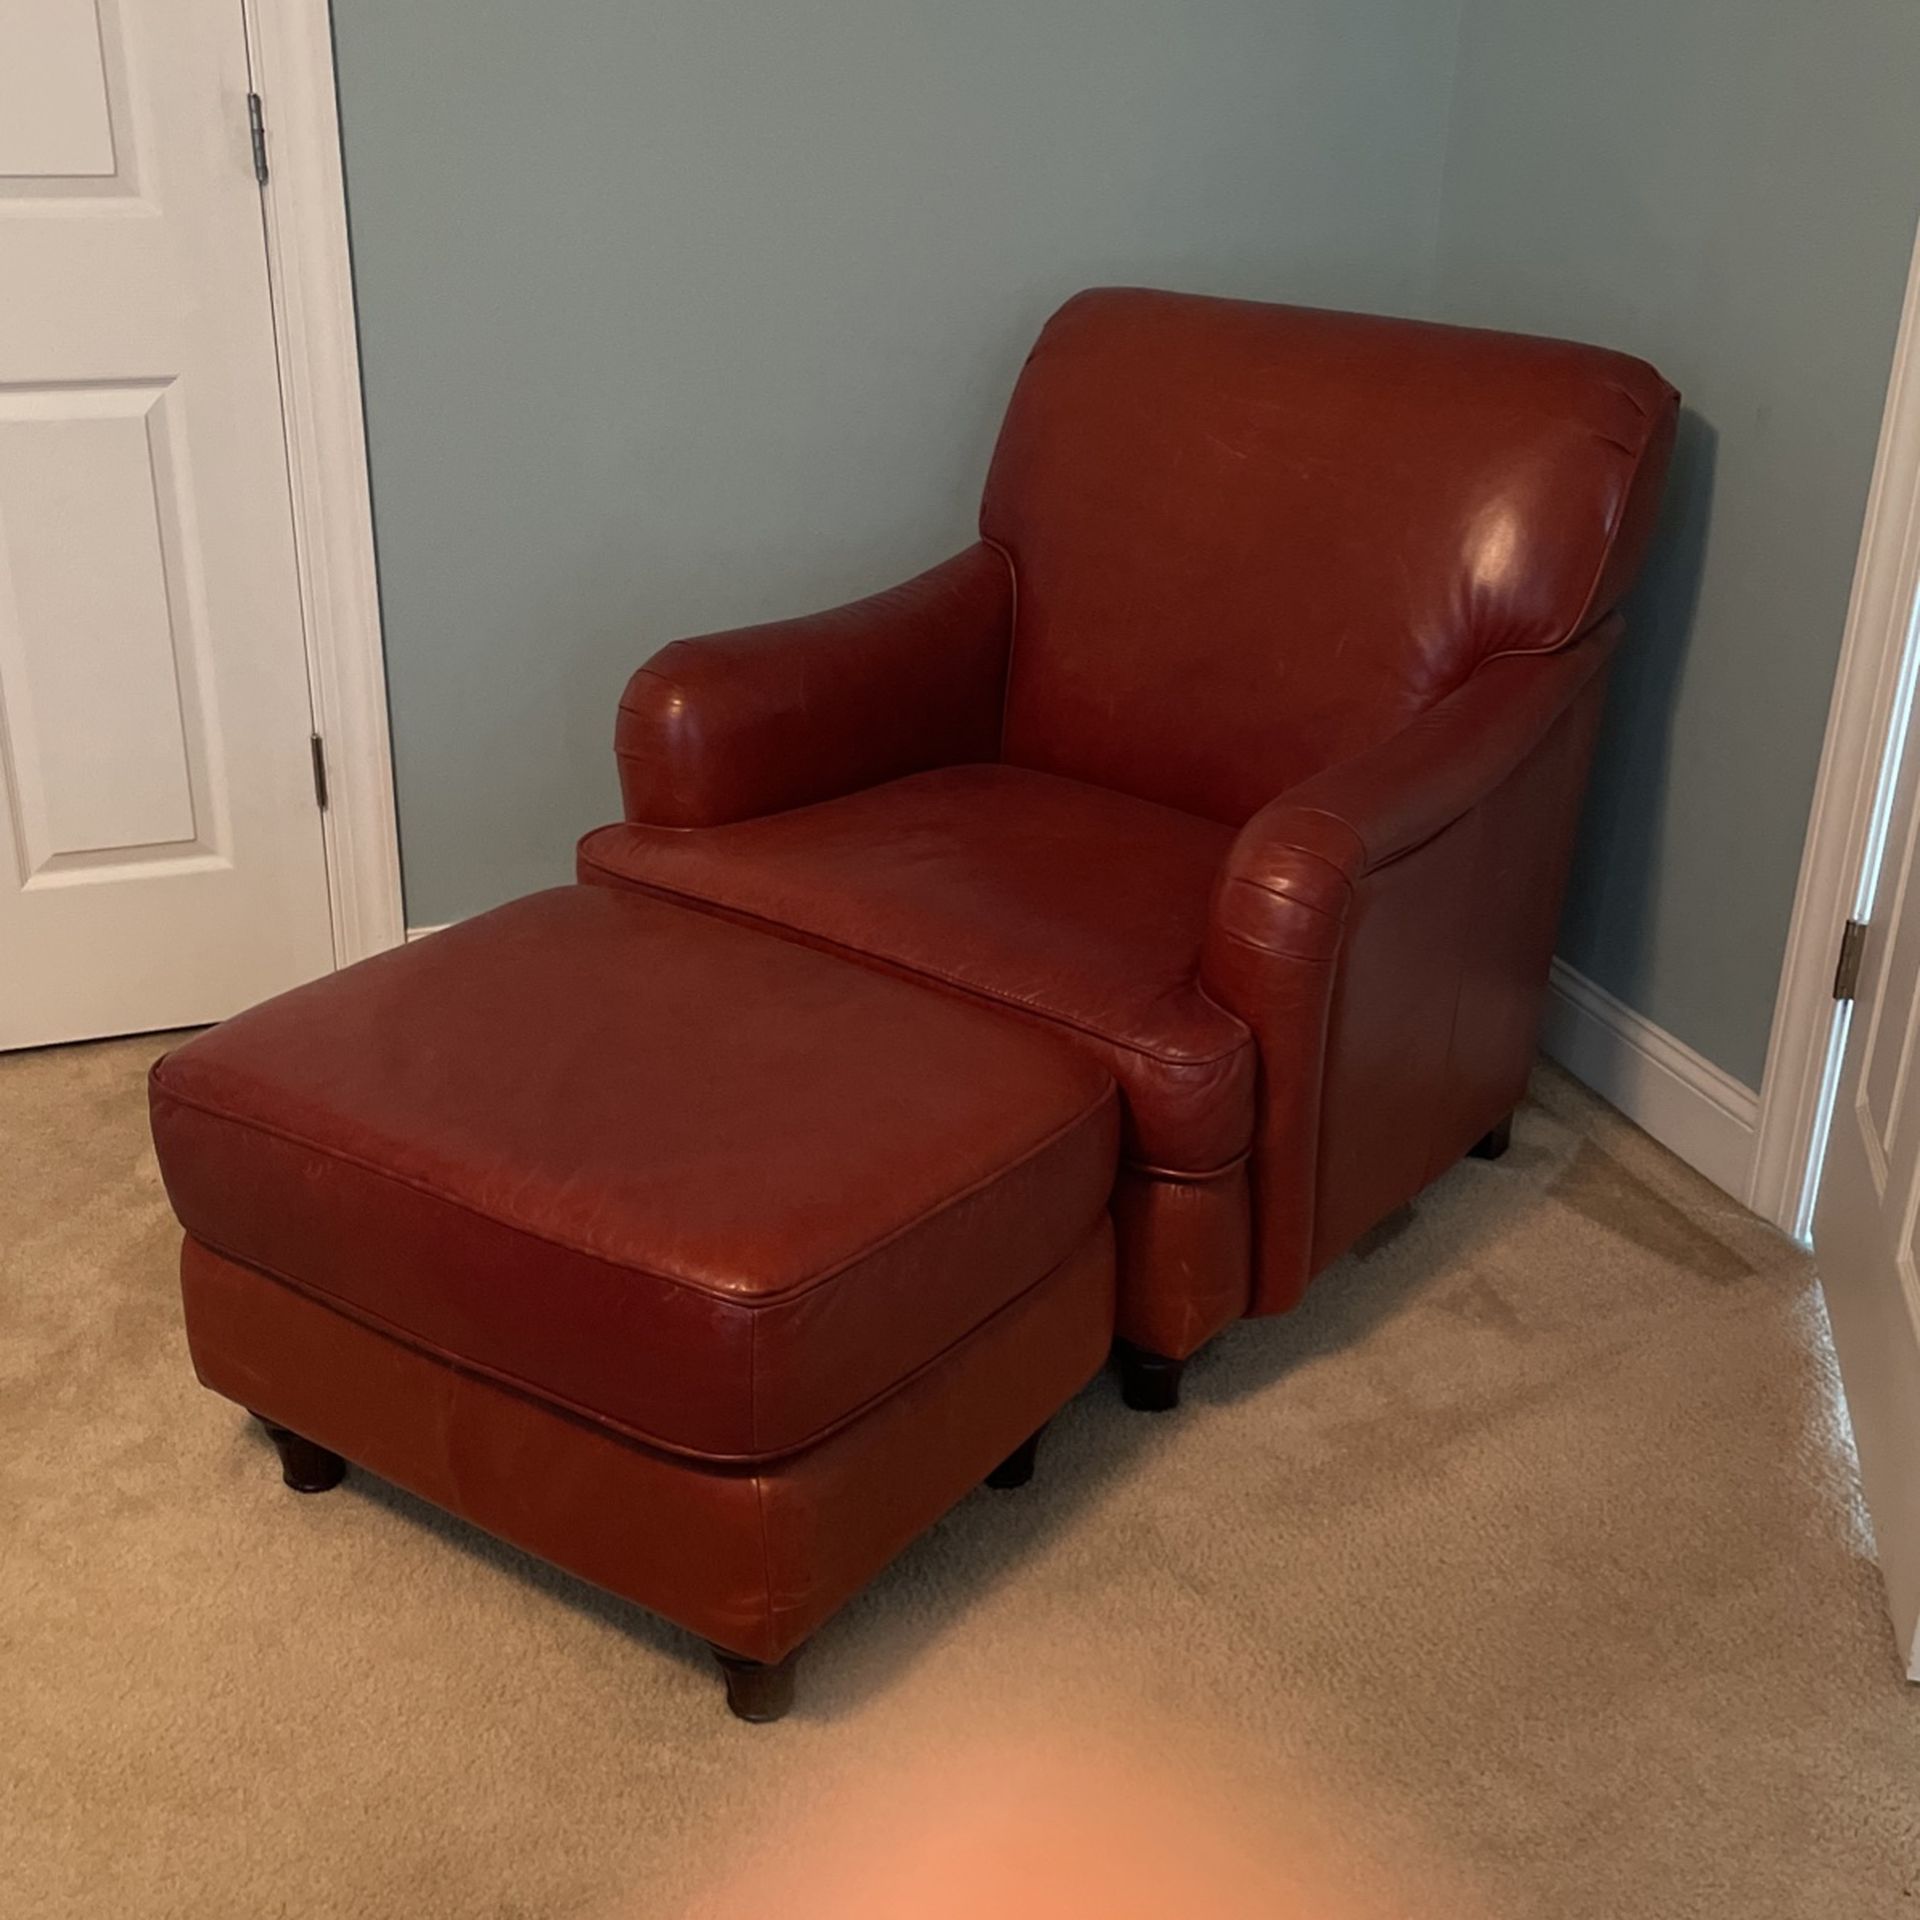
x: 1872, y: 697
x: 290, y: 53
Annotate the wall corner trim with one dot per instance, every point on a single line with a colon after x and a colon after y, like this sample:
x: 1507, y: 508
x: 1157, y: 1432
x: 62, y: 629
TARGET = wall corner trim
x: 1695, y: 1110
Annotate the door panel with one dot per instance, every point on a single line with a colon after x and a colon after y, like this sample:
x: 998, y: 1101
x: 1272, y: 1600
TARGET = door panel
x: 54, y: 115
x: 89, y: 674
x: 161, y: 860
x: 1890, y: 978
x: 1867, y: 1223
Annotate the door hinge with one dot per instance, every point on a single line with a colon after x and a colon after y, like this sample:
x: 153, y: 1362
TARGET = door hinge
x: 1853, y: 947
x: 257, y: 129
x: 319, y: 772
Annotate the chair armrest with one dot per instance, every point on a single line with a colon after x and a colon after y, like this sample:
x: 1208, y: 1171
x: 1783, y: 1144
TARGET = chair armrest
x: 1385, y: 929
x: 755, y: 721
x: 1306, y: 851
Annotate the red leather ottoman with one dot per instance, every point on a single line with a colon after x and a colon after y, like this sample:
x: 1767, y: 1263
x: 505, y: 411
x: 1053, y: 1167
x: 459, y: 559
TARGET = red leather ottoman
x: 705, y: 1265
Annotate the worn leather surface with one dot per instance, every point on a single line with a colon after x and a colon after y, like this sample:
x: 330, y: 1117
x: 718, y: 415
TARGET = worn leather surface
x: 1251, y: 541
x: 712, y: 1190
x: 752, y: 1557
x: 1052, y: 899
x: 744, y: 723
x: 1185, y: 1257
x: 1387, y: 930
x: 1339, y: 585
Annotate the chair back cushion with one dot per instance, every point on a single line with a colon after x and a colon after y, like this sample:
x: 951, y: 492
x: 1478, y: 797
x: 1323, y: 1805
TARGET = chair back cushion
x: 1249, y: 541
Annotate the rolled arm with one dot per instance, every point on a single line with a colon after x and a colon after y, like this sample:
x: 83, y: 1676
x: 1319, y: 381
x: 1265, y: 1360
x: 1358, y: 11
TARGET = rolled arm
x: 765, y: 718
x: 1385, y: 928
x: 1309, y: 848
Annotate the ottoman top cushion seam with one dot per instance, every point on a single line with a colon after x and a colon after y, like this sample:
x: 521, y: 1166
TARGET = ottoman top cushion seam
x: 746, y: 1302
x: 578, y: 1410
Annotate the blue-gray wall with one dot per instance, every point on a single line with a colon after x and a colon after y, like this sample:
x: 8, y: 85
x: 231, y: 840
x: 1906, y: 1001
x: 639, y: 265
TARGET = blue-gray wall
x: 687, y: 312
x: 684, y: 312
x: 1728, y: 187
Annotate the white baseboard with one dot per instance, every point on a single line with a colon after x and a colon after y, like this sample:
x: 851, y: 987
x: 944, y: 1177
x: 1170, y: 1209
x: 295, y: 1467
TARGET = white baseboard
x: 1705, y: 1116
x: 420, y: 933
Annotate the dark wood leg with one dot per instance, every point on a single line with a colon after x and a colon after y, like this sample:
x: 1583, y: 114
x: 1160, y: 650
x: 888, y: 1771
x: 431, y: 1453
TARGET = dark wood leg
x: 1149, y: 1382
x: 758, y: 1691
x: 1017, y: 1468
x: 1494, y: 1144
x: 305, y: 1467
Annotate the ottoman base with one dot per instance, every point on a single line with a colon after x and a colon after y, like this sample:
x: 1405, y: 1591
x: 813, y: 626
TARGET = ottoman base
x: 752, y: 1555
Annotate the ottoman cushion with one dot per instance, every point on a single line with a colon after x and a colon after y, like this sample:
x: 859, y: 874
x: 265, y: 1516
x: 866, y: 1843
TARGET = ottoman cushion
x: 710, y: 1189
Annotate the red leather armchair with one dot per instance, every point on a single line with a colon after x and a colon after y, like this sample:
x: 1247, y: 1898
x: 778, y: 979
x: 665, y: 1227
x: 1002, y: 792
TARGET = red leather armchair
x: 1244, y: 750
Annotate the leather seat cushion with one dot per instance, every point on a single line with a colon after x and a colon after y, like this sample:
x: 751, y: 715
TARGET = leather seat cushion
x: 1064, y: 903
x: 715, y: 1190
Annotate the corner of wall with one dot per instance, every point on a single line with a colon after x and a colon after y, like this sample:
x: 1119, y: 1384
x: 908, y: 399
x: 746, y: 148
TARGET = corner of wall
x: 1698, y: 1112
x: 1429, y: 269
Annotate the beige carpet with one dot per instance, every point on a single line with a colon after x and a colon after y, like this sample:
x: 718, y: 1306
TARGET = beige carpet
x: 1531, y: 1548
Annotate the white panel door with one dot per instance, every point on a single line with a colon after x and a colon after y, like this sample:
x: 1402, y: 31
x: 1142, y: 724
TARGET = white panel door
x: 161, y: 860
x: 1866, y: 1231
